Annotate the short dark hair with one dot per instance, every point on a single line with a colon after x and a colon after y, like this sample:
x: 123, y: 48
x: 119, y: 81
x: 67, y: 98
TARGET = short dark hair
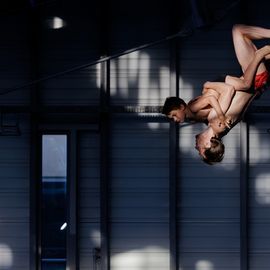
x: 215, y: 153
x: 172, y: 103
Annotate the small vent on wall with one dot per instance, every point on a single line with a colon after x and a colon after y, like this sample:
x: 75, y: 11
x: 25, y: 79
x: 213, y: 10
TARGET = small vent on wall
x: 9, y: 124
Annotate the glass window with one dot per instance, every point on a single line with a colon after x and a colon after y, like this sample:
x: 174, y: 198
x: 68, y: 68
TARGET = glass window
x: 53, y: 202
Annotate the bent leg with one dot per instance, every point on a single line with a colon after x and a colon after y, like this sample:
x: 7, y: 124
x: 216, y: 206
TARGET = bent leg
x: 243, y: 45
x: 245, y: 82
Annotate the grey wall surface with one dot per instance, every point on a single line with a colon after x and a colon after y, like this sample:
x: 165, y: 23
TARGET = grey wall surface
x: 14, y: 199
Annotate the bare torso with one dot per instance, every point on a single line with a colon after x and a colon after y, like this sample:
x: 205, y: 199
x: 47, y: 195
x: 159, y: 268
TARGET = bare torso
x: 238, y: 105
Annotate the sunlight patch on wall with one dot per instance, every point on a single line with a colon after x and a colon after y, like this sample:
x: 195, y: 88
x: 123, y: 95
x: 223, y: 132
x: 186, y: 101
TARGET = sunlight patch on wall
x: 187, y: 140
x: 98, y: 75
x: 262, y: 188
x: 259, y: 148
x: 123, y: 87
x: 133, y: 65
x: 149, y: 258
x: 95, y: 237
x: 164, y: 85
x: 144, y: 79
x: 6, y: 257
x: 186, y: 90
x: 204, y: 265
x: 154, y: 126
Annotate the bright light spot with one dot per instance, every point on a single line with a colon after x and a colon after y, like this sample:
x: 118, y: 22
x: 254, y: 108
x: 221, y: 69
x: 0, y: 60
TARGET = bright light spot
x: 147, y: 258
x: 6, y: 257
x: 55, y: 23
x: 204, y: 265
x: 63, y: 226
x: 262, y: 186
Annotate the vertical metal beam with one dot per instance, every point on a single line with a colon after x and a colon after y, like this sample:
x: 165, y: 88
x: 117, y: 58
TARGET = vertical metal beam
x: 35, y: 147
x: 72, y: 202
x: 35, y: 176
x: 105, y: 165
x: 174, y: 151
x: 244, y: 163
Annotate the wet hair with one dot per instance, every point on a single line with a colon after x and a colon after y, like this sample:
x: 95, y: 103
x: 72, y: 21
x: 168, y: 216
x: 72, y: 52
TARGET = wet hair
x: 172, y: 103
x: 215, y: 153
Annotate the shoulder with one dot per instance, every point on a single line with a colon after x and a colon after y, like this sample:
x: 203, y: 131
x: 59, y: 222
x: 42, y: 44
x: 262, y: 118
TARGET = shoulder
x: 194, y: 99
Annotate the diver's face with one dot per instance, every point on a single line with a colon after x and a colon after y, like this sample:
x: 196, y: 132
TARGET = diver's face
x: 177, y: 115
x: 202, y: 143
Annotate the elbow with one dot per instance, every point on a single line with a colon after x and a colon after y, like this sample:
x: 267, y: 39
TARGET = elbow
x: 231, y: 90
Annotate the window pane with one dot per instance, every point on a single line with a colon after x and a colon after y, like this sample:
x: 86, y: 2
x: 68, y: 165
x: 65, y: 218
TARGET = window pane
x: 53, y: 220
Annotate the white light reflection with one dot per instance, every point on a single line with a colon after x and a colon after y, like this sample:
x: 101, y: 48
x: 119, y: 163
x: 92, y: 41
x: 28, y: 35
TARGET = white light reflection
x: 262, y: 186
x: 55, y: 23
x: 63, y: 226
x: 204, y: 265
x: 6, y: 257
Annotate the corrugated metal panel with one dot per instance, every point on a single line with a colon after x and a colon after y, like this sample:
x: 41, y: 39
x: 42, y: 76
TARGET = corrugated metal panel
x: 14, y: 200
x: 89, y: 198
x: 259, y: 197
x: 140, y: 201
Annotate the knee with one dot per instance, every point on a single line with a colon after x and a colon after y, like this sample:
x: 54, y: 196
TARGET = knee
x: 237, y: 28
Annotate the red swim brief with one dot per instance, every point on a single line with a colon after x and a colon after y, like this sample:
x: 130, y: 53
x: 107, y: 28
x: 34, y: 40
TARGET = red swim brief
x: 261, y: 80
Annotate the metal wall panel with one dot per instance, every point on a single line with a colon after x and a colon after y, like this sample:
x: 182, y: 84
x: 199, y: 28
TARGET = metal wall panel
x: 14, y: 199
x: 259, y: 193
x: 89, y: 198
x: 209, y: 204
x: 140, y: 189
